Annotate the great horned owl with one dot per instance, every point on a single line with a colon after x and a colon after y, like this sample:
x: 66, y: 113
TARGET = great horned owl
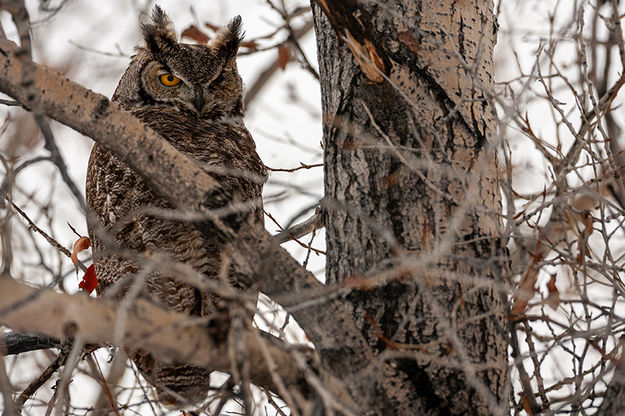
x: 192, y: 96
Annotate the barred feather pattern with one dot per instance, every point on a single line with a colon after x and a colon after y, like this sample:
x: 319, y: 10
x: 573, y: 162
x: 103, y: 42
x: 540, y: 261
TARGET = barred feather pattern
x: 215, y: 138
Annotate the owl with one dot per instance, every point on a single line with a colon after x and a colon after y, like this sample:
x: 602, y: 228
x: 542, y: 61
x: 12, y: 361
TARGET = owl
x: 192, y: 96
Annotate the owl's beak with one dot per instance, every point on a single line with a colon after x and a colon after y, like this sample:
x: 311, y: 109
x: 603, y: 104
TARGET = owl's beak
x: 199, y: 98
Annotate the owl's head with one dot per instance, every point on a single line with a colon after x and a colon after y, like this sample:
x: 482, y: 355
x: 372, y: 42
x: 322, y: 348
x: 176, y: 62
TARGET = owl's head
x: 198, y: 79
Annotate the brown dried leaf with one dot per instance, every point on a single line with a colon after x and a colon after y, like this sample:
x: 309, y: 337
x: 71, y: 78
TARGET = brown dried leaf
x: 525, y: 291
x: 526, y: 405
x: 411, y: 43
x: 519, y: 307
x: 553, y: 298
x: 249, y: 44
x: 211, y: 26
x: 193, y: 33
x: 585, y: 200
x: 283, y: 57
x: 81, y: 244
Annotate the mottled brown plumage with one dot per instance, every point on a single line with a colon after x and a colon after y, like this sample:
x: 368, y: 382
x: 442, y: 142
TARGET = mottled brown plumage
x: 201, y: 115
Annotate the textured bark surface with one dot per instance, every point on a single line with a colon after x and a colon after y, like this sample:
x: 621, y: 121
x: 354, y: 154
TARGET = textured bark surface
x: 614, y: 399
x: 166, y: 334
x: 412, y: 199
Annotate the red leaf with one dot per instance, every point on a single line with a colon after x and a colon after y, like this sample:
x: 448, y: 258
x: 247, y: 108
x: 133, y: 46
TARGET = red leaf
x: 283, y: 56
x: 81, y: 244
x: 89, y: 280
x: 192, y: 32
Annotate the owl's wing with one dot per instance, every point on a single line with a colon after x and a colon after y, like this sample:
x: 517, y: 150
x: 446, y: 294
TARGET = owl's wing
x: 118, y: 196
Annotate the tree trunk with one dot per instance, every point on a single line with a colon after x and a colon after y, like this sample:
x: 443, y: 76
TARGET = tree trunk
x: 614, y: 399
x: 412, y: 209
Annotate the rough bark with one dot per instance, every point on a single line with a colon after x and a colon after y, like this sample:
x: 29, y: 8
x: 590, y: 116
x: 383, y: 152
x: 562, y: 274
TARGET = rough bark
x: 614, y: 399
x: 412, y: 201
x: 168, y: 335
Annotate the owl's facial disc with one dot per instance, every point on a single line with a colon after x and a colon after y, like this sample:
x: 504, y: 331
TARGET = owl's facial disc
x: 210, y: 88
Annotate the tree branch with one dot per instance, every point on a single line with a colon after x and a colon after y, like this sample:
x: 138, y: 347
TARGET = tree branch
x: 304, y: 228
x: 168, y: 336
x: 40, y: 380
x: 16, y: 343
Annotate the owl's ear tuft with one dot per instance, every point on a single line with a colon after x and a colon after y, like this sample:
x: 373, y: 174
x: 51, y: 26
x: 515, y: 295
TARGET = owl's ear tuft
x: 160, y: 33
x: 228, y: 38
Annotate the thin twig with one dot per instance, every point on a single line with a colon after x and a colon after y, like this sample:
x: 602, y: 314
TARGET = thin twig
x: 45, y: 235
x: 11, y: 103
x: 272, y: 69
x: 40, y: 381
x: 302, y: 166
x: 299, y: 230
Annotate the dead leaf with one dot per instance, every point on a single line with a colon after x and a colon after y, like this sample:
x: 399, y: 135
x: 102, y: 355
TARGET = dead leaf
x: 526, y: 290
x: 585, y: 200
x: 411, y: 43
x: 526, y: 405
x: 211, y: 26
x: 519, y: 307
x: 249, y: 44
x: 283, y: 57
x: 81, y: 244
x: 553, y: 298
x: 193, y: 33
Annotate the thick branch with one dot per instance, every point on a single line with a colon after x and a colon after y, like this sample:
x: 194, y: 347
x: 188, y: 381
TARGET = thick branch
x: 169, y: 336
x: 17, y: 343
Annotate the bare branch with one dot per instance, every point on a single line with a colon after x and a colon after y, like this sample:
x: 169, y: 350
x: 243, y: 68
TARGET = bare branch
x: 169, y: 336
x: 40, y: 380
x: 17, y: 343
x: 300, y: 230
x: 271, y: 70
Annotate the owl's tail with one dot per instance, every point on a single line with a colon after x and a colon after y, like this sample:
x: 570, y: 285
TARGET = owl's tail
x: 176, y: 385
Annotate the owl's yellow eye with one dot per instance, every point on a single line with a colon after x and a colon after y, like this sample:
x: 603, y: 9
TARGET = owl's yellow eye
x: 169, y: 80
